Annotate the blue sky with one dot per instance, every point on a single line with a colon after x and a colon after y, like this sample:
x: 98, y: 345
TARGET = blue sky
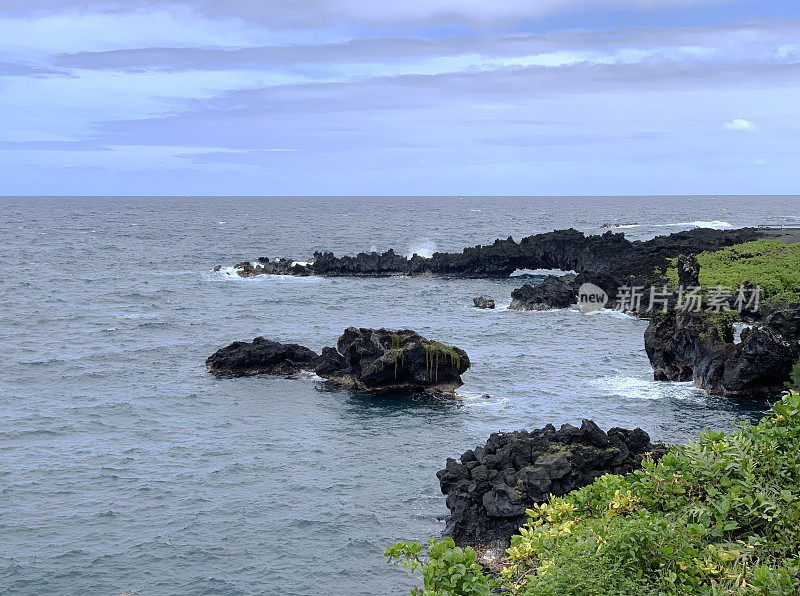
x: 431, y: 97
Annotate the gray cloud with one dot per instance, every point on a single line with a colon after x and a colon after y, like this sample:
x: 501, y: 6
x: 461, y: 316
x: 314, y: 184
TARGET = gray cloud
x: 743, y: 40
x: 322, y: 13
x: 513, y: 107
x: 24, y: 69
x: 81, y: 145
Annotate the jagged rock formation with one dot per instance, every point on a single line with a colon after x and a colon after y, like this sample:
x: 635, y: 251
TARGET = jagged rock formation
x: 374, y: 360
x: 685, y: 346
x: 489, y: 488
x: 482, y: 302
x: 552, y: 292
x: 609, y: 260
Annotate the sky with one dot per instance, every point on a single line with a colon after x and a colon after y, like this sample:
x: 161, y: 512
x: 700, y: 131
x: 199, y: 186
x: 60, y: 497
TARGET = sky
x: 421, y: 97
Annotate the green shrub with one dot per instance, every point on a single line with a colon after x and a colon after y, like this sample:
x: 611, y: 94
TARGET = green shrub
x: 448, y: 569
x: 720, y: 515
x: 794, y: 377
x: 771, y: 264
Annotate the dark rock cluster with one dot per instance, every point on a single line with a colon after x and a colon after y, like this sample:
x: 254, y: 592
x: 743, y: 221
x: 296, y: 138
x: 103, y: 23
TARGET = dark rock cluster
x: 698, y: 346
x: 488, y: 488
x: 552, y: 292
x: 374, y: 360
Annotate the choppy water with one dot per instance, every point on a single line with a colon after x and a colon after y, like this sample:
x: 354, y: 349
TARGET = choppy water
x: 125, y: 468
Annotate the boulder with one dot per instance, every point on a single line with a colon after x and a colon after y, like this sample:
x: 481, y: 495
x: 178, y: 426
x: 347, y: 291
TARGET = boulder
x: 482, y: 302
x: 553, y: 292
x: 488, y: 488
x: 373, y: 360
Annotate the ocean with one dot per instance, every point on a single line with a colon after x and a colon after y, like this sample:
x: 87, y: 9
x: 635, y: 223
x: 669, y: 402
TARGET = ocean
x: 126, y: 468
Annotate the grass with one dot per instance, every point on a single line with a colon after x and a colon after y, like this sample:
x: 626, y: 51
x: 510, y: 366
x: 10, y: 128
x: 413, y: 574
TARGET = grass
x: 719, y: 516
x: 771, y: 264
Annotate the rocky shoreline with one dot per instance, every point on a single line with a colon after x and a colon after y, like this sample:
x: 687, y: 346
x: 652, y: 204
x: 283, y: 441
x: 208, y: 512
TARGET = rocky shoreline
x: 489, y: 488
x: 609, y: 256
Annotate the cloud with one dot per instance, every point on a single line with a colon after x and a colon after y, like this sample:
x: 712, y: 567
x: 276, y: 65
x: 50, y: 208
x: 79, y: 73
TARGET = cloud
x: 354, y: 97
x: 740, y: 124
x: 765, y: 41
x: 24, y: 69
x: 302, y: 14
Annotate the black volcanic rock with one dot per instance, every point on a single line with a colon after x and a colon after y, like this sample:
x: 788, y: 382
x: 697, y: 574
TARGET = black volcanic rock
x: 609, y: 260
x: 374, y: 360
x: 488, y: 488
x: 552, y: 292
x: 261, y: 356
x: 381, y: 361
x: 482, y: 302
x: 691, y: 346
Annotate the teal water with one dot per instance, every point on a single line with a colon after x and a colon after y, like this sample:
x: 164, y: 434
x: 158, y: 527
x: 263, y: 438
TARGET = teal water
x: 124, y: 467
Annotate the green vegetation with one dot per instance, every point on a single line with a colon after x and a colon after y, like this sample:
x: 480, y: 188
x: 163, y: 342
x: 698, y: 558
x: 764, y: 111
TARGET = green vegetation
x: 771, y: 264
x: 448, y: 569
x: 794, y: 377
x: 720, y: 515
x: 433, y: 350
x: 397, y: 351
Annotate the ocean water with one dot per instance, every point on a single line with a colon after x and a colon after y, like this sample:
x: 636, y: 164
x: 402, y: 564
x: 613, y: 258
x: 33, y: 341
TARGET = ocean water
x: 124, y: 467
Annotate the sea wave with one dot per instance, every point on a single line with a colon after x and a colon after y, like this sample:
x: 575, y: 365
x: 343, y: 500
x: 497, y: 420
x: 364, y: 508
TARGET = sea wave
x: 636, y: 388
x: 424, y: 248
x: 539, y: 272
x: 714, y: 224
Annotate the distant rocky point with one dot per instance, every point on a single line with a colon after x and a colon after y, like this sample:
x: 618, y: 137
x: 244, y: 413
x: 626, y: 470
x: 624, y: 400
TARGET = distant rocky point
x: 569, y: 250
x: 373, y: 360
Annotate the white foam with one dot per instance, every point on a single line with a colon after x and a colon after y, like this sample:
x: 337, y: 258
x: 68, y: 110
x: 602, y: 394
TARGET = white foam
x: 714, y: 225
x: 737, y: 331
x: 424, y: 248
x: 636, y: 388
x: 612, y: 312
x: 539, y: 272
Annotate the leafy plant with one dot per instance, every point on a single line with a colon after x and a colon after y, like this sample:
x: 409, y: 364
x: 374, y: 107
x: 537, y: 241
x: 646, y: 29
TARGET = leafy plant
x: 448, y: 569
x: 720, y: 515
x: 794, y: 377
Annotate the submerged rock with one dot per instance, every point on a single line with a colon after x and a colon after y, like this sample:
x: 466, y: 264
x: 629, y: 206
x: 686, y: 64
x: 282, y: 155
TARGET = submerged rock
x: 374, y: 360
x: 553, y: 292
x: 482, y: 302
x: 488, y: 488
x: 700, y: 347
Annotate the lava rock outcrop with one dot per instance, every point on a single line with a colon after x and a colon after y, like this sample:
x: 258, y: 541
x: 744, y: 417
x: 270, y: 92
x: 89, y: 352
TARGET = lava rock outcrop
x: 488, y: 488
